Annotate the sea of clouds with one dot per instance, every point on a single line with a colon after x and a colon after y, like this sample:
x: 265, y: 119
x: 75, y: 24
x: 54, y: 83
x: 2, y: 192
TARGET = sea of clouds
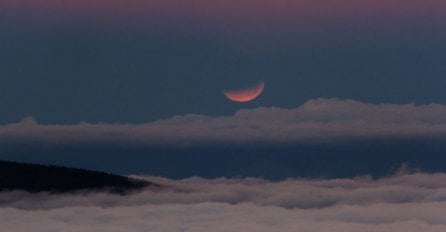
x: 402, y: 202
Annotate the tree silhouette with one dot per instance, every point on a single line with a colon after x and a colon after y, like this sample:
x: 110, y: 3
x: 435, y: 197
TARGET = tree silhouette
x: 56, y: 179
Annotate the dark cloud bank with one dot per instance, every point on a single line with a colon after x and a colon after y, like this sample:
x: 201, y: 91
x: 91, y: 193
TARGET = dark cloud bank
x: 403, y: 202
x: 319, y: 120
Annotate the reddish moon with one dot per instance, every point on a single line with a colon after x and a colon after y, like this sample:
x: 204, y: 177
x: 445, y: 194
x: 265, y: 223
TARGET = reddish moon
x: 245, y: 95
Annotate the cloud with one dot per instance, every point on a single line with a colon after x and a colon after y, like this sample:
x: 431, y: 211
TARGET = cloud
x: 319, y: 120
x: 404, y: 202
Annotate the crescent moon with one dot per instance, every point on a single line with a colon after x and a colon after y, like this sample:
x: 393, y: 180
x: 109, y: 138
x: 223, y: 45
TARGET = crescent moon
x: 245, y: 95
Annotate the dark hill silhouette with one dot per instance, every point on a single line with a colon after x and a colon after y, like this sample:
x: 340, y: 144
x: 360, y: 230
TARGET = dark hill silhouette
x: 56, y: 179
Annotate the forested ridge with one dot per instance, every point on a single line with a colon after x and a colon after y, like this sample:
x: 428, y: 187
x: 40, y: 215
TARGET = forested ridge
x: 58, y: 179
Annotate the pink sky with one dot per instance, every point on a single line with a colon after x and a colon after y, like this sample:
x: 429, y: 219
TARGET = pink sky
x: 261, y: 11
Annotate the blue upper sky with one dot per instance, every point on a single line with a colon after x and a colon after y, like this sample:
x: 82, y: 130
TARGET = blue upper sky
x: 66, y: 68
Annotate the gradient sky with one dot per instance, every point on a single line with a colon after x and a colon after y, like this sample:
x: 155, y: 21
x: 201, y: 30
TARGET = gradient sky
x: 139, y: 61
x: 137, y: 86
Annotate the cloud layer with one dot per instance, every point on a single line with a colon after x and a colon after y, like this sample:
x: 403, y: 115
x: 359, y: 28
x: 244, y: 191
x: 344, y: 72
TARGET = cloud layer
x: 404, y: 202
x: 319, y: 120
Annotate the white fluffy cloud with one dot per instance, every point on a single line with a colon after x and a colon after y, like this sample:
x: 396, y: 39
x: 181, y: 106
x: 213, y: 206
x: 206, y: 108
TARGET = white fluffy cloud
x: 405, y: 202
x: 316, y: 120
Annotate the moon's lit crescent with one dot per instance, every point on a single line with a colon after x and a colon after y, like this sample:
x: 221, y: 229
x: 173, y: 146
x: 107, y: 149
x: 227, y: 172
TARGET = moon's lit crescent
x: 245, y: 95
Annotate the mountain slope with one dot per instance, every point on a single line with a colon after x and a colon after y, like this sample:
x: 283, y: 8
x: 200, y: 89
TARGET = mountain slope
x: 56, y: 179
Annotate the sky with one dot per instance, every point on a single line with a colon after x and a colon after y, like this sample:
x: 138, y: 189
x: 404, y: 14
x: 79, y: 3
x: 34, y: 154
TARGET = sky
x: 134, y: 86
x: 139, y: 61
